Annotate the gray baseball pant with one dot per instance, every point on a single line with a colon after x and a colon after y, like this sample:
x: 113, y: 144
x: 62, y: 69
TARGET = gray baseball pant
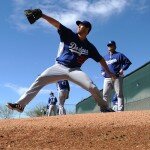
x: 60, y: 72
x: 117, y: 85
x: 52, y: 108
x: 62, y: 96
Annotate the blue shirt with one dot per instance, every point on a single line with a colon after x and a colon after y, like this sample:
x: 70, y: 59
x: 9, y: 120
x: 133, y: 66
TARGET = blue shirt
x: 73, y: 52
x: 63, y: 85
x: 52, y: 100
x: 114, y: 99
x: 116, y: 62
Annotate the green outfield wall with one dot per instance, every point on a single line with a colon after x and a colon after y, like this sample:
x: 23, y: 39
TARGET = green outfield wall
x: 137, y: 89
x: 136, y: 92
x: 87, y: 105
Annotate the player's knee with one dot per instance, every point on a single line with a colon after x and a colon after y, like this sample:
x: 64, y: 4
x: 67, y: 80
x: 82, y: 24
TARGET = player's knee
x: 40, y: 79
x: 93, y: 89
x: 105, y: 97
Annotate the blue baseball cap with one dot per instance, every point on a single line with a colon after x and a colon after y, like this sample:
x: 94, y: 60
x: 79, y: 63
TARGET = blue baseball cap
x: 85, y: 23
x: 51, y: 93
x: 111, y: 43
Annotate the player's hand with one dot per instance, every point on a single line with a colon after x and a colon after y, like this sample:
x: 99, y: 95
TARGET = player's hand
x: 112, y: 76
x: 121, y: 72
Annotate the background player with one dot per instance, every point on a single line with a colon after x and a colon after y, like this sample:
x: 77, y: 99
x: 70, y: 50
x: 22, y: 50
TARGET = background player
x: 117, y: 63
x: 115, y: 102
x: 63, y: 94
x: 52, y: 104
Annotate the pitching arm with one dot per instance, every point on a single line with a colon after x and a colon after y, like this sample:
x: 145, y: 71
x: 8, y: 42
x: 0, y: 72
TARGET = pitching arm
x: 51, y: 20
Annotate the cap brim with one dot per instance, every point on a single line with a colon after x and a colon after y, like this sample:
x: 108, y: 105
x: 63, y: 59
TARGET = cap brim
x: 78, y: 22
x: 110, y: 44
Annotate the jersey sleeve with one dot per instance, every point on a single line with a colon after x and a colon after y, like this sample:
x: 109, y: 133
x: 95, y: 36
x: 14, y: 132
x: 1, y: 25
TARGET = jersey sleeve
x: 49, y: 100
x: 95, y: 54
x: 125, y: 62
x: 64, y: 32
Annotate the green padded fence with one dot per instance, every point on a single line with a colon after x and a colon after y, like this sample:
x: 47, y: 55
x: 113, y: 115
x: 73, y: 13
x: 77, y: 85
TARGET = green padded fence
x: 137, y: 89
x: 87, y: 105
x: 136, y: 92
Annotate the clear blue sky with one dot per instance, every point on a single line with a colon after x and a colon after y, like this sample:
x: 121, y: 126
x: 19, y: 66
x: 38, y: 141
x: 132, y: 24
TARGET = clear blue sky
x: 27, y: 50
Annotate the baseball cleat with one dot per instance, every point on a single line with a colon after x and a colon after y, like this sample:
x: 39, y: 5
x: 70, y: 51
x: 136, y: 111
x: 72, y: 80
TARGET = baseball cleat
x: 15, y: 106
x: 107, y: 110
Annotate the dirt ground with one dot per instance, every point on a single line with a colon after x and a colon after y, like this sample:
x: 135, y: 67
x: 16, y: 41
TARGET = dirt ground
x: 98, y: 131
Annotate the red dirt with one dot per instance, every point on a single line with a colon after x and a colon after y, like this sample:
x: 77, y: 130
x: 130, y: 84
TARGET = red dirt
x: 98, y: 131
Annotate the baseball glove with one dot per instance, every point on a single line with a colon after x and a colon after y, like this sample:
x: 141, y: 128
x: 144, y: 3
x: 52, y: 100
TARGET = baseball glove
x: 33, y: 15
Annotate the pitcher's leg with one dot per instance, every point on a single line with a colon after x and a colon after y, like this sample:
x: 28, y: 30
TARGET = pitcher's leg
x: 80, y: 78
x: 50, y: 75
x: 118, y: 87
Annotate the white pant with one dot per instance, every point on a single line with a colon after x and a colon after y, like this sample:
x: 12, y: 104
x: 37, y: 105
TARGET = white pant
x: 117, y: 85
x: 62, y: 96
x: 115, y: 107
x: 59, y: 72
x: 52, y: 108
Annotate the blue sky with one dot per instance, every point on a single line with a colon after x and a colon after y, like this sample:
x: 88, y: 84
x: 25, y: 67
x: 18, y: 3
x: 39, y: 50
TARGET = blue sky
x: 27, y: 50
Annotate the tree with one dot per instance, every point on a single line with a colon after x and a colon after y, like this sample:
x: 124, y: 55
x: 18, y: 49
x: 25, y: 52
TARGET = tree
x: 5, y: 112
x: 37, y: 111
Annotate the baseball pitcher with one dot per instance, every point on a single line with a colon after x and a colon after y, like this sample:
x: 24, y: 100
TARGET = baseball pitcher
x: 75, y: 49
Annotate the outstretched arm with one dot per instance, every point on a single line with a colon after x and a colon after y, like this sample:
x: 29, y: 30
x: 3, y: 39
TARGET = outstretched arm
x: 51, y: 20
x: 35, y: 14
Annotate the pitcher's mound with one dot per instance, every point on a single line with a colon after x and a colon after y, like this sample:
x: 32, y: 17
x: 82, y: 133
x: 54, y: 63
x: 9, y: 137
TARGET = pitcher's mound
x: 99, y: 131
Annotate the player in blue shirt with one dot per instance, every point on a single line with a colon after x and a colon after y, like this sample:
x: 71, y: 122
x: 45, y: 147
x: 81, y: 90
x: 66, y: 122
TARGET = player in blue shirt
x: 63, y: 94
x: 117, y: 63
x: 52, y: 104
x: 74, y: 50
x: 115, y: 102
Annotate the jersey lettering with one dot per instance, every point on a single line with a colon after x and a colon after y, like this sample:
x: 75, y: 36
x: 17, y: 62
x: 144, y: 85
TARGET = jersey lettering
x: 111, y: 61
x: 79, y: 50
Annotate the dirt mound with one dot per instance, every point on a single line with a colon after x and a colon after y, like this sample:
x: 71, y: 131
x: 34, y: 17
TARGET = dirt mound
x: 98, y: 131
